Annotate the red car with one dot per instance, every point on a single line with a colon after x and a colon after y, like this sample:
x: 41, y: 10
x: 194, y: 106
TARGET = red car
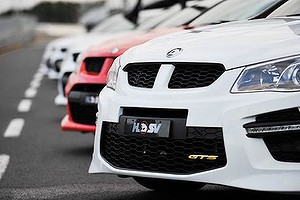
x: 85, y: 84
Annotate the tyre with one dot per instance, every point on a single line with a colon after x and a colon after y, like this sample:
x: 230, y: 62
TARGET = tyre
x: 165, y: 185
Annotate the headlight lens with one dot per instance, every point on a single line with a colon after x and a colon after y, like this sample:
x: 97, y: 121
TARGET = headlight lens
x: 78, y: 62
x: 281, y: 75
x: 112, y: 75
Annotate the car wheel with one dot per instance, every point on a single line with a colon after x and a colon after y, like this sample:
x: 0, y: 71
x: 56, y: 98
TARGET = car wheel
x: 164, y: 185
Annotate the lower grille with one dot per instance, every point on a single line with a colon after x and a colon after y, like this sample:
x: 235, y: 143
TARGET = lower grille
x: 83, y: 114
x: 284, y: 145
x: 81, y: 110
x: 165, y: 155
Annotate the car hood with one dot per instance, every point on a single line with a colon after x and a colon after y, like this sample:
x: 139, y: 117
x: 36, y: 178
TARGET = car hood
x: 67, y: 41
x: 232, y: 44
x: 117, y: 45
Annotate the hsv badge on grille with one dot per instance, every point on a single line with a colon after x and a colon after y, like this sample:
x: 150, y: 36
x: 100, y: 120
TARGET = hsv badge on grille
x: 174, y: 52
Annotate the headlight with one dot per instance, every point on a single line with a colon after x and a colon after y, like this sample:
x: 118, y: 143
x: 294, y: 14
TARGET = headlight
x: 280, y: 75
x: 112, y: 75
x: 78, y: 62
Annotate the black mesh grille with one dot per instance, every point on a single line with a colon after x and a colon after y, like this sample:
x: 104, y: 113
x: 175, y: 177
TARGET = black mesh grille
x: 83, y: 114
x: 94, y: 65
x: 284, y: 147
x: 142, y: 75
x: 185, y: 75
x: 189, y: 75
x: 75, y: 56
x: 57, y: 65
x: 166, y: 155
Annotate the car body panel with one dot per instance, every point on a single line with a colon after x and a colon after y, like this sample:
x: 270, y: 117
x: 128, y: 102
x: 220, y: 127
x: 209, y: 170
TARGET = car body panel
x: 212, y: 41
x: 109, y: 50
x: 249, y: 163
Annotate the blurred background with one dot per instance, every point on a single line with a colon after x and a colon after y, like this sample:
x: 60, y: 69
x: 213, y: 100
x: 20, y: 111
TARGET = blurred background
x: 22, y: 21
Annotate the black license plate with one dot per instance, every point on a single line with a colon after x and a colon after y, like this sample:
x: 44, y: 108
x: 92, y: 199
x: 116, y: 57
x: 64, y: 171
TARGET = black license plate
x: 145, y: 127
x: 91, y: 99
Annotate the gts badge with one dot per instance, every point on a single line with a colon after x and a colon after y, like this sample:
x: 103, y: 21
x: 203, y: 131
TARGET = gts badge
x: 202, y: 157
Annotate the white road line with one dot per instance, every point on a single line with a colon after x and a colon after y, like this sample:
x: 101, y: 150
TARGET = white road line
x: 14, y: 128
x: 4, y: 160
x: 43, y: 70
x: 38, y: 75
x: 24, y: 105
x: 35, y: 83
x: 30, y: 92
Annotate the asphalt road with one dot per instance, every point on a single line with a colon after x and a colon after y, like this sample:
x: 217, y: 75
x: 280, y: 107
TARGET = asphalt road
x: 40, y: 161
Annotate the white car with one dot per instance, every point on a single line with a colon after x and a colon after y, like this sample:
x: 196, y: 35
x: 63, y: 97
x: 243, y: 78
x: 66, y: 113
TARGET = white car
x: 78, y: 45
x: 46, y: 61
x: 68, y: 60
x: 57, y: 49
x: 69, y: 65
x: 213, y: 105
x: 55, y: 52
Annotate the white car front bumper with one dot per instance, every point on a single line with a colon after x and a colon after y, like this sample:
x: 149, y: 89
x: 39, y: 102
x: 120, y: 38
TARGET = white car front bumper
x: 249, y: 163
